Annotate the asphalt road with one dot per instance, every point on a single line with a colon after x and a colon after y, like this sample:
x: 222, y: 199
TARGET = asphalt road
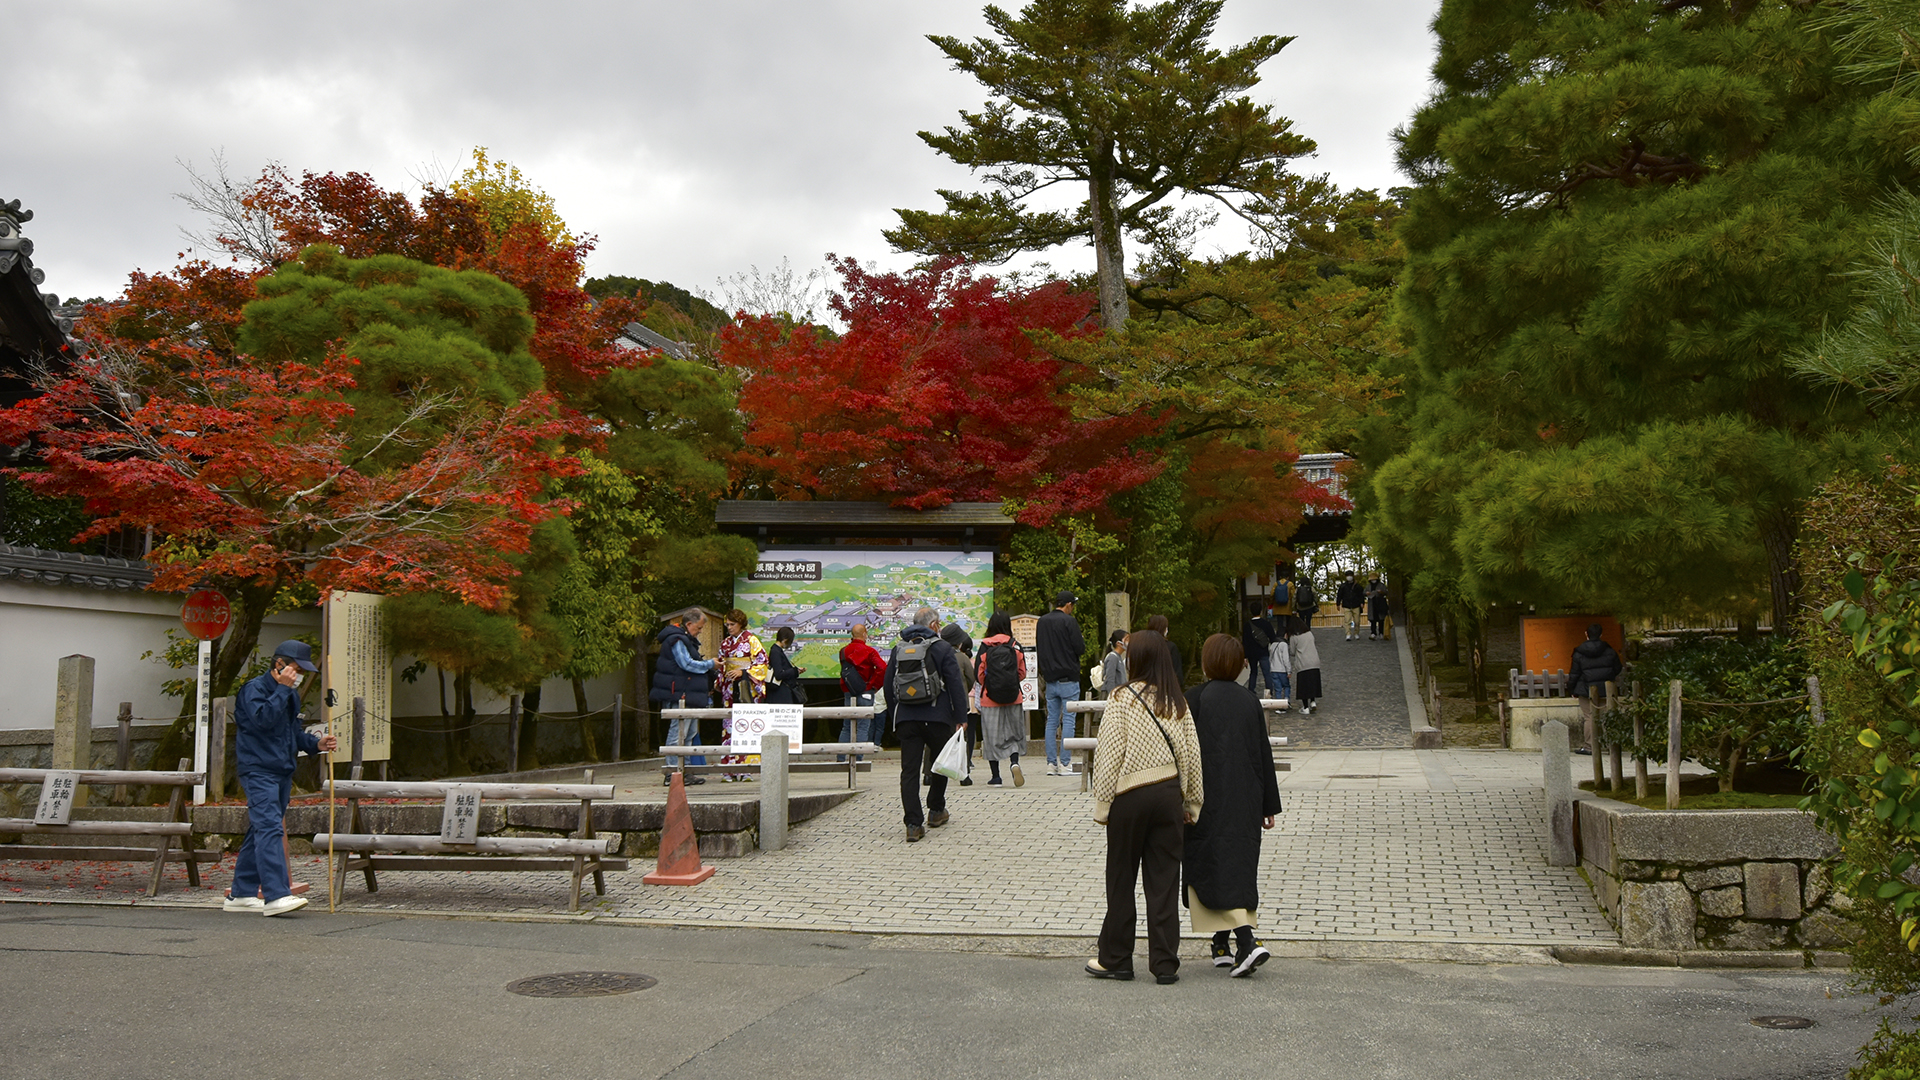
x: 101, y: 992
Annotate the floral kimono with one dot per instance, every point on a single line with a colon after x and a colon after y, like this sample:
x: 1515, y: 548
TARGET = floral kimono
x: 744, y: 671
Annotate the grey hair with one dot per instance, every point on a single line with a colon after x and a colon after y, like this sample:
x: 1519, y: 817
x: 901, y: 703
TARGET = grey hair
x: 926, y: 616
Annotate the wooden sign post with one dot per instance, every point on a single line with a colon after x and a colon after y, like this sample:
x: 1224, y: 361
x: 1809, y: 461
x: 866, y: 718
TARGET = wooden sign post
x: 206, y: 615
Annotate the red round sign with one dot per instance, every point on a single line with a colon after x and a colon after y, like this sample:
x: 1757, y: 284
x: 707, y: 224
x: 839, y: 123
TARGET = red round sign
x: 206, y: 614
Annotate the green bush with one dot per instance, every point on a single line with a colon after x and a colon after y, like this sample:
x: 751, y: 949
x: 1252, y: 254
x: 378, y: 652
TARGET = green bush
x: 1726, y: 737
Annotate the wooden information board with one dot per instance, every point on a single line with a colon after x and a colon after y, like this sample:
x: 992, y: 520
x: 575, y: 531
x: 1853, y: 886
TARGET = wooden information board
x: 357, y: 664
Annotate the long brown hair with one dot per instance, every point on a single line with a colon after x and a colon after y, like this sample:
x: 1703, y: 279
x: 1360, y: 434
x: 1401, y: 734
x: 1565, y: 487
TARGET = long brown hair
x: 1150, y: 661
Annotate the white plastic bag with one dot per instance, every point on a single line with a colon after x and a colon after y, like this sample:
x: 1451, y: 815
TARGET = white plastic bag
x: 952, y: 759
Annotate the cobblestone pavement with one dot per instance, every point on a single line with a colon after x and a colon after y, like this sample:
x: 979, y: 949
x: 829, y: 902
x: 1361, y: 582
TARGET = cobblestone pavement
x: 1365, y: 704
x: 1374, y: 845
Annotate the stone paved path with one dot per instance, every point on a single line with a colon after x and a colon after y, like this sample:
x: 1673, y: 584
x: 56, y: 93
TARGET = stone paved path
x: 1364, y: 704
x: 1374, y: 845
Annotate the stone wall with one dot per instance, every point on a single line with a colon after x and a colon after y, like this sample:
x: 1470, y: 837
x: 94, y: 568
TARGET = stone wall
x: 1713, y: 879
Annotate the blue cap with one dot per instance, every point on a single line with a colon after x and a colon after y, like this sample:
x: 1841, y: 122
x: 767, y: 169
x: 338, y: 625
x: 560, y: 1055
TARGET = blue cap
x: 298, y: 652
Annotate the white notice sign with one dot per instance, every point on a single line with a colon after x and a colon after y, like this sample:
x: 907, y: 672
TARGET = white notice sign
x: 56, y: 797
x: 750, y: 722
x: 460, y: 821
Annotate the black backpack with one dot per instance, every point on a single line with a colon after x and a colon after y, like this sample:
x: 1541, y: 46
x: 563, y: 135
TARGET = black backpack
x: 850, y: 675
x: 1306, y: 601
x: 916, y: 674
x: 1003, y: 674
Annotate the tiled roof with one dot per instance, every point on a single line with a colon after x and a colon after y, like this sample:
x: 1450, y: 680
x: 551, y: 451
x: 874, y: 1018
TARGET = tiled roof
x: 42, y: 567
x: 29, y: 328
x: 640, y: 337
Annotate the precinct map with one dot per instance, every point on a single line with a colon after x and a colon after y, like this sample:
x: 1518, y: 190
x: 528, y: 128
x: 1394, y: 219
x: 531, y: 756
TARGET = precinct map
x: 823, y: 592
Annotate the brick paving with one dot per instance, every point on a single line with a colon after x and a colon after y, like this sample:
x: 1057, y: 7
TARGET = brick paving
x: 1386, y: 845
x: 1364, y: 703
x: 1378, y: 842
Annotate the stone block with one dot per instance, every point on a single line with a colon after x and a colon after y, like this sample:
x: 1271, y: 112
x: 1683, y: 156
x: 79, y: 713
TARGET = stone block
x: 1633, y: 870
x: 1525, y: 715
x: 1750, y: 935
x: 1839, y: 902
x: 1825, y: 930
x: 1656, y: 915
x: 1711, y: 878
x: 1606, y: 889
x: 1709, y: 837
x: 1596, y: 831
x: 728, y: 845
x: 1722, y: 903
x: 1427, y: 738
x: 1819, y: 883
x: 1773, y: 890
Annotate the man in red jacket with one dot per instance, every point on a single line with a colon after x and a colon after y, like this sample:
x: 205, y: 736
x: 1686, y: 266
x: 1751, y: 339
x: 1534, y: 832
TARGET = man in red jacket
x: 860, y: 661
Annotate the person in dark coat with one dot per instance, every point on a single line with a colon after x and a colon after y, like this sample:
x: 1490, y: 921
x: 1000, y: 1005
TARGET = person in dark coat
x: 922, y: 724
x: 268, y: 739
x: 1221, y: 857
x: 783, y: 688
x: 1376, y: 609
x: 682, y: 678
x: 1159, y: 625
x: 956, y: 635
x: 1594, y: 665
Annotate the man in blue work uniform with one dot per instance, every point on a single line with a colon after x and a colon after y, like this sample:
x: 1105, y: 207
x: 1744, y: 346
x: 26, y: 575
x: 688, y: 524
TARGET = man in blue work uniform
x: 268, y: 738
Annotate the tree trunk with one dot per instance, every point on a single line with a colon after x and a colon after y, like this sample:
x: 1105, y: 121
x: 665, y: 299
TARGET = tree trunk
x: 460, y: 732
x: 1108, y: 251
x: 1450, y: 639
x: 529, y: 727
x: 1726, y: 762
x: 587, y: 744
x: 1747, y: 628
x: 1477, y: 670
x: 642, y: 727
x: 1778, y: 531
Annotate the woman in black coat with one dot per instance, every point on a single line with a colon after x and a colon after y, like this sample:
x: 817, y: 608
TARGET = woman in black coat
x: 784, y: 689
x: 1222, y: 855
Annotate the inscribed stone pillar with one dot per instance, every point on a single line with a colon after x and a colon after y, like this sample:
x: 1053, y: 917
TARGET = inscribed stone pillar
x: 73, y: 719
x: 773, y: 791
x: 1554, y: 762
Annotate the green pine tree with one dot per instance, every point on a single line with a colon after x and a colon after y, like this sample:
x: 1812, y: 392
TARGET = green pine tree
x: 1627, y: 217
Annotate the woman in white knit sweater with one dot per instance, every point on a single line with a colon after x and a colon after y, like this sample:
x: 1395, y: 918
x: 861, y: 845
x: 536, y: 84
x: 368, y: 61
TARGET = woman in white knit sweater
x: 1146, y: 786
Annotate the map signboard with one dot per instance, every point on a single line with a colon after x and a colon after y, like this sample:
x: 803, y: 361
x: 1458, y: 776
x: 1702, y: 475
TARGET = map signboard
x: 822, y: 593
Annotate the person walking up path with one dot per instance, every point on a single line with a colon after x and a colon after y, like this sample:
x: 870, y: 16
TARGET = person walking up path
x: 926, y: 704
x: 1003, y: 716
x: 1060, y: 645
x: 1306, y: 665
x: 1353, y: 600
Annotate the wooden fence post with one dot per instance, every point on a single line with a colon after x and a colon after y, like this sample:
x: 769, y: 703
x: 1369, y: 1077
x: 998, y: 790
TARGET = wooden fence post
x: 123, y: 753
x: 1639, y: 748
x: 619, y: 715
x: 1814, y: 704
x: 217, y: 747
x: 1673, y: 746
x: 513, y: 734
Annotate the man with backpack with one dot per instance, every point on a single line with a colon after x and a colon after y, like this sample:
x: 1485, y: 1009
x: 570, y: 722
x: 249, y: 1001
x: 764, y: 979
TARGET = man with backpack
x: 926, y: 705
x: 860, y: 668
x: 1306, y: 602
x: 1257, y: 636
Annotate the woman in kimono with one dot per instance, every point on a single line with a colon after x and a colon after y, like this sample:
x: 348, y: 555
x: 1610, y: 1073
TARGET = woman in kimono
x: 744, y: 671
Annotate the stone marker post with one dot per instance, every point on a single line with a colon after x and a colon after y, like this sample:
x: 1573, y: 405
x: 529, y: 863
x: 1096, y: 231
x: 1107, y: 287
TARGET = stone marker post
x: 217, y: 748
x: 73, y: 719
x: 773, y: 791
x: 1555, y: 755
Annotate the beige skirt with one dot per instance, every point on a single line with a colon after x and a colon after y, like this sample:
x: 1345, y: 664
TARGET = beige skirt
x: 1208, y: 921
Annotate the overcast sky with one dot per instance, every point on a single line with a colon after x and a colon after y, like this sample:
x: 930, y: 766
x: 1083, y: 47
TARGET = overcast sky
x: 693, y: 139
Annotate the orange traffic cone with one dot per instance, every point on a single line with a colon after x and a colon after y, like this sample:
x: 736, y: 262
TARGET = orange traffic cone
x: 679, y: 848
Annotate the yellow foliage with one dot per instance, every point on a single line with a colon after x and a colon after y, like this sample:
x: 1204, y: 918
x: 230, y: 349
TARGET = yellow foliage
x: 508, y: 198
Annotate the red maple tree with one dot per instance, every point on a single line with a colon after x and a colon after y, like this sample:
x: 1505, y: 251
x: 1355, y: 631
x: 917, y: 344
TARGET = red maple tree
x: 935, y: 394
x: 251, y: 481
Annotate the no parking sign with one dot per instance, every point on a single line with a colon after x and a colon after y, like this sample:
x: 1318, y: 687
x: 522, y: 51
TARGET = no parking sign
x: 751, y: 723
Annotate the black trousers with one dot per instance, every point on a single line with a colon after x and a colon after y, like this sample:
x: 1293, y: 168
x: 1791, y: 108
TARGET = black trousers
x: 1145, y: 834
x: 916, y: 738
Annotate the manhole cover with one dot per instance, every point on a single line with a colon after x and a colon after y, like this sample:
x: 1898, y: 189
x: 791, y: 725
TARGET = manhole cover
x: 1361, y: 776
x: 1783, y: 1023
x: 569, y: 984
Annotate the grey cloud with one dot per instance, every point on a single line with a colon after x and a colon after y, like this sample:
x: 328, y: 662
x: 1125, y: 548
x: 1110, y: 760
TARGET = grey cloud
x: 692, y: 139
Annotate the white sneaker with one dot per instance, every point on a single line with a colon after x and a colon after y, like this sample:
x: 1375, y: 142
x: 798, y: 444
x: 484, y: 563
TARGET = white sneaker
x: 1069, y: 770
x: 243, y: 903
x: 283, y: 905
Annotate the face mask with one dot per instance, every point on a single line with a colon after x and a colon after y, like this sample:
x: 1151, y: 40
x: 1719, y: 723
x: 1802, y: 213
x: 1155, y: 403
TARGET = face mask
x: 298, y: 677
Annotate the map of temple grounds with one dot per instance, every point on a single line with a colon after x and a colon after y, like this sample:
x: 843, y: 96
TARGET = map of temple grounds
x: 822, y: 593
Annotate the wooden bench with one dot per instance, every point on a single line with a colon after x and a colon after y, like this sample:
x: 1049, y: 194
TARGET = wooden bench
x: 176, y: 825
x: 580, y: 854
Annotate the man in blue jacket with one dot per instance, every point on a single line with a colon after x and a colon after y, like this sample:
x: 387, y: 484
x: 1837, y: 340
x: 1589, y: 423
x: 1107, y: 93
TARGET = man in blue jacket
x: 268, y: 739
x: 924, y: 724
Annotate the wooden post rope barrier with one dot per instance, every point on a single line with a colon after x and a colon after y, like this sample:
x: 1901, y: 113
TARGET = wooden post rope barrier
x: 326, y: 758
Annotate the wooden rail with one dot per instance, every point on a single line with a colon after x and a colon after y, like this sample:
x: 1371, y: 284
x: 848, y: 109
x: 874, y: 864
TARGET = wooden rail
x: 177, y: 826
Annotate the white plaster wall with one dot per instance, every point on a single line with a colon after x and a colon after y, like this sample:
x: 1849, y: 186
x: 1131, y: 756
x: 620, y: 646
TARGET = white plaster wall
x: 422, y: 697
x: 39, y: 624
